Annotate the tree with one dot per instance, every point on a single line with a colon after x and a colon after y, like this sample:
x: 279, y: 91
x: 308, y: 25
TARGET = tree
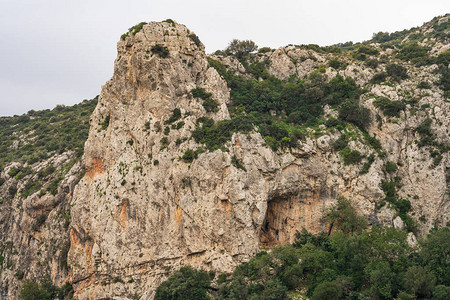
x: 241, y: 48
x: 344, y: 217
x: 419, y: 281
x: 327, y: 291
x: 435, y: 253
x: 185, y: 284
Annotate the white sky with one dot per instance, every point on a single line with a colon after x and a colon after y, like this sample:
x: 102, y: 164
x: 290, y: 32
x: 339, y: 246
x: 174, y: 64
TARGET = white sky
x: 61, y: 52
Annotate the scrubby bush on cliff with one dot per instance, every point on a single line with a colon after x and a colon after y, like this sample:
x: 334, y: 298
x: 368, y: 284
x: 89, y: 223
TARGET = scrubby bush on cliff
x: 185, y: 284
x: 240, y: 48
x: 352, y: 112
x: 161, y: 51
x: 396, y: 72
x: 44, y: 290
x: 389, y: 108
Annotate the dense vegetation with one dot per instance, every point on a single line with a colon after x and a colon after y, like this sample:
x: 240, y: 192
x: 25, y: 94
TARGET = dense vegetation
x: 348, y: 262
x: 44, y: 290
x: 280, y: 110
x: 37, y: 135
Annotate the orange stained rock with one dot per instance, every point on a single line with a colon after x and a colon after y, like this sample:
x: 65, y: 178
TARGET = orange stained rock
x: 95, y: 166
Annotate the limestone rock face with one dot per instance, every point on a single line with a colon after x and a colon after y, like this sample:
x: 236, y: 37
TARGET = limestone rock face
x: 141, y: 211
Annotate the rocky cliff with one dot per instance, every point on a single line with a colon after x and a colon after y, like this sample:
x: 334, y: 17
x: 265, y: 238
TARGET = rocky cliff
x: 157, y: 195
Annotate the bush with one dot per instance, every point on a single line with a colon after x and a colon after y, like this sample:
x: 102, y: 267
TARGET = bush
x: 210, y: 104
x: 335, y: 64
x: 415, y: 53
x: 188, y: 155
x: 424, y: 128
x: 195, y: 39
x: 424, y: 85
x: 366, y: 49
x: 351, y: 157
x: 390, y: 167
x: 240, y: 48
x: 327, y: 291
x: 441, y: 292
x: 30, y: 188
x: 176, y: 115
x: 379, y: 77
x: 161, y: 51
x: 185, y: 284
x: 366, y: 167
x: 397, y: 72
x: 419, y: 281
x: 340, y: 143
x: 343, y: 216
x: 372, y: 63
x: 45, y: 290
x: 389, y: 108
x: 352, y: 112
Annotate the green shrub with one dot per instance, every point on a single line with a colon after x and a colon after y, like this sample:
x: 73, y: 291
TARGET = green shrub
x: 240, y: 48
x: 372, y: 63
x: 265, y: 50
x: 419, y: 281
x: 136, y: 28
x: 164, y: 142
x: 379, y: 77
x: 161, y: 51
x: 167, y: 130
x: 351, y: 157
x: 389, y: 108
x: 340, y: 143
x: 12, y: 190
x: 424, y: 128
x: 170, y: 21
x: 45, y: 290
x: 53, y: 186
x: 390, y: 167
x: 366, y: 167
x: 441, y: 292
x: 352, y: 112
x: 366, y: 49
x: 30, y: 188
x: 210, y: 104
x: 335, y: 64
x: 332, y: 122
x: 343, y: 216
x: 237, y: 163
x: 185, y: 284
x: 195, y: 39
x: 415, y: 53
x: 327, y: 291
x: 396, y: 71
x: 188, y: 155
x: 105, y: 123
x: 389, y: 190
x: 424, y: 85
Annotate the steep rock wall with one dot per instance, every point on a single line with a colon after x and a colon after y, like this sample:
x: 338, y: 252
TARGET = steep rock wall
x: 141, y: 211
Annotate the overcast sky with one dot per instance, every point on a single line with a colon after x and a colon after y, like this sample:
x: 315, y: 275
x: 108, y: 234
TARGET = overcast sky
x: 61, y: 52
